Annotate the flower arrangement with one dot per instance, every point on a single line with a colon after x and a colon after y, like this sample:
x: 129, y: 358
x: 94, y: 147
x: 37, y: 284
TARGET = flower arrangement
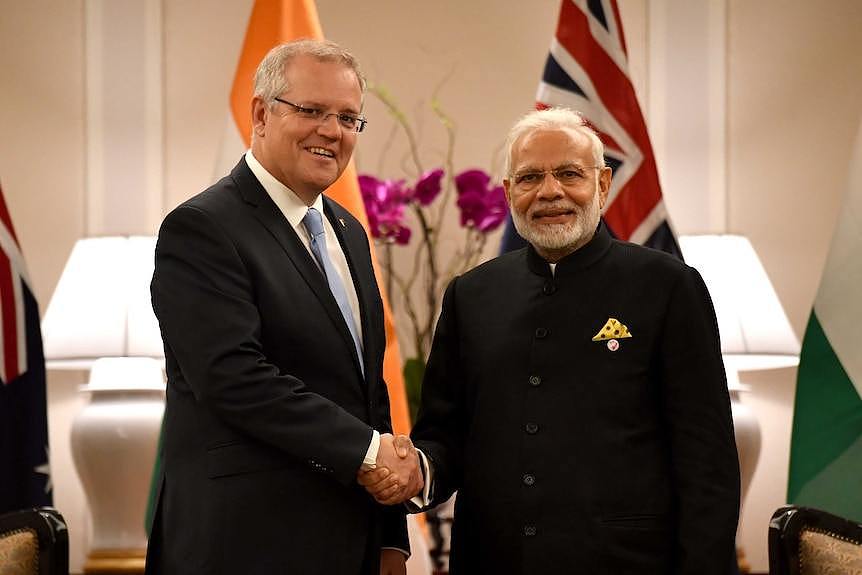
x: 427, y: 196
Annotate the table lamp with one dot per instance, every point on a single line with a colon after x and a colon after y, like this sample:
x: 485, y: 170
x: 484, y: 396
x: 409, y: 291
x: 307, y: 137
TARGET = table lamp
x: 755, y: 332
x: 100, y: 318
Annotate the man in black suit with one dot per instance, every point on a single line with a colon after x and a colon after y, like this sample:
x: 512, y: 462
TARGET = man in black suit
x: 575, y: 394
x: 273, y: 330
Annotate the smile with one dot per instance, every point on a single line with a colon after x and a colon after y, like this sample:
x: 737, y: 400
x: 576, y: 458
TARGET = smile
x: 321, y: 152
x: 552, y: 215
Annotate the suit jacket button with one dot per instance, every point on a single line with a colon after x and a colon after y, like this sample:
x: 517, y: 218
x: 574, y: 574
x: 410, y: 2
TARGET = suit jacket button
x: 531, y: 428
x: 529, y: 479
x: 535, y: 380
x: 529, y: 530
x: 549, y: 288
x: 541, y: 333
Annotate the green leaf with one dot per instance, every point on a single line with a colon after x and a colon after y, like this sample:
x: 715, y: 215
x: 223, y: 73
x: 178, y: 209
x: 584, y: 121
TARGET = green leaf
x: 414, y: 370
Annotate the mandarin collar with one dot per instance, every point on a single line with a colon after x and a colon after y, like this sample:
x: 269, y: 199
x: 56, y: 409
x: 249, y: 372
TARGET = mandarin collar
x: 579, y: 259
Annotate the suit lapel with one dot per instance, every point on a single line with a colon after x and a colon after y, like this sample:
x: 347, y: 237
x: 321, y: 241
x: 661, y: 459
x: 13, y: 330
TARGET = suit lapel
x: 267, y: 213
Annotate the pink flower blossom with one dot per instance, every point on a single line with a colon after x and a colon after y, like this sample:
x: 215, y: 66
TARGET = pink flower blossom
x: 482, y: 207
x: 428, y: 187
x: 384, y: 204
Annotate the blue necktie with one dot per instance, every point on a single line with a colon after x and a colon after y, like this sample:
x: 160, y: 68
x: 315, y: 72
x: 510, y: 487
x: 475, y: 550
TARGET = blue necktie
x: 313, y: 223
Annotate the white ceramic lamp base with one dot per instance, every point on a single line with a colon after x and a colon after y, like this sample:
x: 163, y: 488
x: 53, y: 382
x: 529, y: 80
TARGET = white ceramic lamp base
x: 114, y: 442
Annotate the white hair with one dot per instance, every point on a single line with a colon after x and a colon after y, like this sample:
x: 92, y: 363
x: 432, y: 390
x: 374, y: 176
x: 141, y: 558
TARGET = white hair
x: 553, y: 119
x: 269, y: 79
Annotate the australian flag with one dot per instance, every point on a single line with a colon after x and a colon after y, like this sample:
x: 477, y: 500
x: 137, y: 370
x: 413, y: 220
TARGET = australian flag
x: 25, y: 479
x: 587, y: 71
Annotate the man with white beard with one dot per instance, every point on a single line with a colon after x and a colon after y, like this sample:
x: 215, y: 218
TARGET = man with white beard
x: 575, y: 394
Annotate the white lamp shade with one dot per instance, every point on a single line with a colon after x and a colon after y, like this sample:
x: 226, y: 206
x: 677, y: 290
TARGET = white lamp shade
x: 101, y: 307
x: 755, y: 331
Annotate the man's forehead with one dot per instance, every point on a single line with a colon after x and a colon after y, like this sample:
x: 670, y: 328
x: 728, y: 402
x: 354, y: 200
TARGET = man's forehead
x: 550, y: 148
x: 308, y: 64
x: 325, y: 82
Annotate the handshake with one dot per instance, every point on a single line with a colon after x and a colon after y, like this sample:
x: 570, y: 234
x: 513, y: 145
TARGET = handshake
x: 396, y: 476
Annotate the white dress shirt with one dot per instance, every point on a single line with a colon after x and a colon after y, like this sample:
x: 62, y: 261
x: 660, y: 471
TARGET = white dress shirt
x: 294, y: 209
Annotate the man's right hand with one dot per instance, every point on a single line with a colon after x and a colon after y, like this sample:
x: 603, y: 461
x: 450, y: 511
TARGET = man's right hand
x: 396, y: 476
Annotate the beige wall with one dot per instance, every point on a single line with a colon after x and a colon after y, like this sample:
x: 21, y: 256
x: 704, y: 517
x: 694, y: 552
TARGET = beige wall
x: 795, y: 101
x: 42, y: 133
x: 792, y: 93
x: 201, y: 51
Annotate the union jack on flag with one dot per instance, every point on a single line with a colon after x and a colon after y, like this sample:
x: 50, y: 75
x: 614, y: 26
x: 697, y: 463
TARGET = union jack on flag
x: 587, y: 70
x: 25, y: 478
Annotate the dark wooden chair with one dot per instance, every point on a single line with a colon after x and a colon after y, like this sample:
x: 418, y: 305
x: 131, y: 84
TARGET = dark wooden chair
x: 807, y: 541
x: 34, y: 542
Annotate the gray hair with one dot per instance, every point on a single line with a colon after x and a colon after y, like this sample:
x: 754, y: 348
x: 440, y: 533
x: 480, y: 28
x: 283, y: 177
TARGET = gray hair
x: 269, y: 79
x: 553, y: 119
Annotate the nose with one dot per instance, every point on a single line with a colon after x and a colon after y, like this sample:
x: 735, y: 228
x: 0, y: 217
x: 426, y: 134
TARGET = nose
x: 330, y: 127
x: 549, y: 188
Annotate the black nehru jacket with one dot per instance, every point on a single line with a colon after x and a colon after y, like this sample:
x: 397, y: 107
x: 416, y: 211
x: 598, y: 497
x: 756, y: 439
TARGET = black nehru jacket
x: 583, y: 416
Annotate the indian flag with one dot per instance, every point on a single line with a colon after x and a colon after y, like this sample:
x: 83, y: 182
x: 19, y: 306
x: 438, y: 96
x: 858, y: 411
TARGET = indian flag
x: 826, y: 447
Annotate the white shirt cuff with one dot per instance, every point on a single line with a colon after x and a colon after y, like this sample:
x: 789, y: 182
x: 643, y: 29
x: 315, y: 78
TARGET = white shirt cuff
x: 370, y: 461
x: 423, y: 499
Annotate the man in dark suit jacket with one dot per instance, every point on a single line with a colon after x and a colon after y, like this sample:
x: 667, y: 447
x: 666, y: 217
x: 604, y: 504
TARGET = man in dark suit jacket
x: 275, y: 396
x: 575, y: 394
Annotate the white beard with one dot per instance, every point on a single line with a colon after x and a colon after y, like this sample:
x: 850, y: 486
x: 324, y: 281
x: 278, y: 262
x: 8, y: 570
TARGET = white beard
x: 559, y: 237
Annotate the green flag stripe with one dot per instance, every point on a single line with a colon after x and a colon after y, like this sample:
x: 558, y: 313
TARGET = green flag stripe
x: 838, y: 487
x: 828, y: 414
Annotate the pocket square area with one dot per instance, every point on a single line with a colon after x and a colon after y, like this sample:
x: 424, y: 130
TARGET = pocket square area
x: 612, y: 329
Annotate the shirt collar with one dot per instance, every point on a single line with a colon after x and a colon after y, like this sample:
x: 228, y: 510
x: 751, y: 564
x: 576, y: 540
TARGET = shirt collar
x: 287, y: 201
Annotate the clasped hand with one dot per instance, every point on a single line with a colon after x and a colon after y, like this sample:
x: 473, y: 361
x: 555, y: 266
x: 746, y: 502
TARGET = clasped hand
x: 397, y: 476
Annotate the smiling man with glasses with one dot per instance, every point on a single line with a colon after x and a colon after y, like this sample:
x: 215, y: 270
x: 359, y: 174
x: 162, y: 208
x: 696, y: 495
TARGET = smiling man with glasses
x: 274, y: 339
x: 575, y: 396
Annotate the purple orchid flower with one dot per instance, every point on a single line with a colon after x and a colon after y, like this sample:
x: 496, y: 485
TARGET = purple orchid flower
x: 481, y: 207
x: 384, y: 204
x: 428, y: 187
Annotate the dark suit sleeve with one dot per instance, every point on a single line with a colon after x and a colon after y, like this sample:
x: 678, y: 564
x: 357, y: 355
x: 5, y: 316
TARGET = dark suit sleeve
x: 703, y: 451
x: 440, y: 425
x: 205, y: 302
x: 395, y: 529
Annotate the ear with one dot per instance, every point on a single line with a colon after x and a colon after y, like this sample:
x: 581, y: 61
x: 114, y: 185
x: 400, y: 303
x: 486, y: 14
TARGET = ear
x: 259, y: 116
x: 604, y: 186
x: 506, y: 184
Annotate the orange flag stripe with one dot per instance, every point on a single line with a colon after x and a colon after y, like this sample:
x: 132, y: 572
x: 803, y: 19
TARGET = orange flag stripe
x: 345, y: 191
x: 273, y: 22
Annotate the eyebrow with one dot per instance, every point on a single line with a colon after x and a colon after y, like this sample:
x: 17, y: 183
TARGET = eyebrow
x: 321, y: 106
x: 531, y: 169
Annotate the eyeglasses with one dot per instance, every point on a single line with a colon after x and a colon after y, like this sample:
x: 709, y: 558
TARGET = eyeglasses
x: 349, y: 122
x: 568, y: 176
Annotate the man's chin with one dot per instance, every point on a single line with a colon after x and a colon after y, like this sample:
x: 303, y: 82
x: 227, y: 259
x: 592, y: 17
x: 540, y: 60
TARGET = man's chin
x: 321, y: 181
x: 555, y: 236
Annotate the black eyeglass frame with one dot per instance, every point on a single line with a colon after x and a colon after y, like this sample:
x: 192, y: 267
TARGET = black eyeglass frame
x: 349, y: 122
